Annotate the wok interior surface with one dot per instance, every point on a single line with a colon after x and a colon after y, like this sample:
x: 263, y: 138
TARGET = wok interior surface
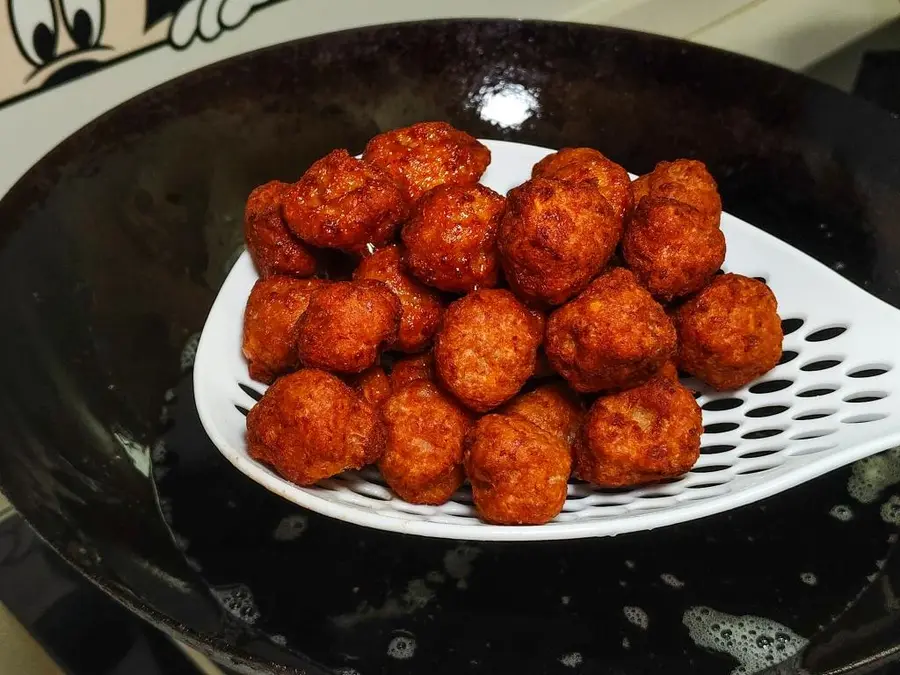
x: 114, y: 245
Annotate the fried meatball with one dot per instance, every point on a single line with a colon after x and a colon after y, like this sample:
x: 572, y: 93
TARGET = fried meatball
x: 729, y: 334
x: 373, y: 386
x: 641, y: 435
x: 343, y: 203
x: 687, y: 181
x: 586, y: 165
x: 612, y: 336
x: 347, y: 324
x: 671, y: 248
x: 428, y: 154
x: 554, y: 238
x: 554, y: 408
x: 272, y: 247
x: 411, y: 369
x: 270, y: 324
x: 309, y: 425
x: 486, y: 347
x: 519, y: 472
x: 451, y: 240
x: 421, y: 307
x: 562, y: 158
x: 422, y: 461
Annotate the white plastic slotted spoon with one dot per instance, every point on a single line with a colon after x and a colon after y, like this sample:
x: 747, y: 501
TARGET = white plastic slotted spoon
x: 831, y: 401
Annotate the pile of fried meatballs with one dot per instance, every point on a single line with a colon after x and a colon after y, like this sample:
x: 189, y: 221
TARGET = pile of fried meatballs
x: 516, y: 341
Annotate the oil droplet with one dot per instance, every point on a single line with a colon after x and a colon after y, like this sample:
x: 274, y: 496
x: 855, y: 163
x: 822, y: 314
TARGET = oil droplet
x: 841, y: 512
x: 238, y: 600
x: 890, y: 510
x: 458, y: 561
x: 637, y: 616
x: 572, y: 660
x: 671, y: 580
x: 290, y: 527
x: 755, y: 642
x: 189, y: 352
x: 873, y: 474
x: 402, y: 647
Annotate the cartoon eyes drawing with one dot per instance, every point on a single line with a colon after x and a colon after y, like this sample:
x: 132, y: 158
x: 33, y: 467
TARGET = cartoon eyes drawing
x: 44, y: 43
x: 35, y: 30
x: 84, y: 19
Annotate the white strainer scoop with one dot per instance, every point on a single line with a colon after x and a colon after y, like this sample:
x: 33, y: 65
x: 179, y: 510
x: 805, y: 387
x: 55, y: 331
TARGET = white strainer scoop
x: 832, y: 400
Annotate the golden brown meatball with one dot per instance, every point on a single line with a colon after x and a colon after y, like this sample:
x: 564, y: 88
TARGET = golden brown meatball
x: 451, y: 240
x: 309, y: 425
x: 519, y: 473
x: 422, y: 461
x: 486, y: 347
x: 428, y: 154
x: 372, y: 385
x: 729, y: 333
x: 411, y: 369
x: 554, y: 238
x: 343, y: 203
x: 688, y: 181
x: 270, y: 324
x: 347, y: 324
x: 612, y: 336
x: 554, y: 408
x: 272, y: 247
x: 641, y: 435
x: 562, y: 158
x: 421, y: 307
x: 671, y: 249
x: 586, y: 165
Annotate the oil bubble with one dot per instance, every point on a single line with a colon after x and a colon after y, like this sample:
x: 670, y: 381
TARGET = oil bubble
x: 872, y: 475
x: 402, y: 647
x: 637, y: 616
x: 572, y: 660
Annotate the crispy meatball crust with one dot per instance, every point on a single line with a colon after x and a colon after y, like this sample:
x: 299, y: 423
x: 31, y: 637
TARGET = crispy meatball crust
x: 487, y: 347
x: 273, y: 309
x: 612, y: 336
x: 451, y: 240
x: 688, y: 181
x: 553, y: 408
x: 554, y: 238
x: 426, y: 428
x: 342, y: 202
x: 730, y: 332
x: 372, y: 385
x: 411, y: 369
x: 272, y: 247
x: 640, y: 188
x: 519, y: 473
x: 309, y: 425
x: 671, y: 248
x: 641, y: 435
x: 421, y: 307
x: 586, y: 165
x: 347, y: 324
x: 425, y: 155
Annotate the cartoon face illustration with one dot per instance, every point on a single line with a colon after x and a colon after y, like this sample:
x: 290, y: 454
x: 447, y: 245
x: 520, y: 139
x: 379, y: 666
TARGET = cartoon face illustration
x: 44, y: 43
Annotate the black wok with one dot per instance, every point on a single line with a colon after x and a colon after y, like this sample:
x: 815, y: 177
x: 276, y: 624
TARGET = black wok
x: 111, y: 251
